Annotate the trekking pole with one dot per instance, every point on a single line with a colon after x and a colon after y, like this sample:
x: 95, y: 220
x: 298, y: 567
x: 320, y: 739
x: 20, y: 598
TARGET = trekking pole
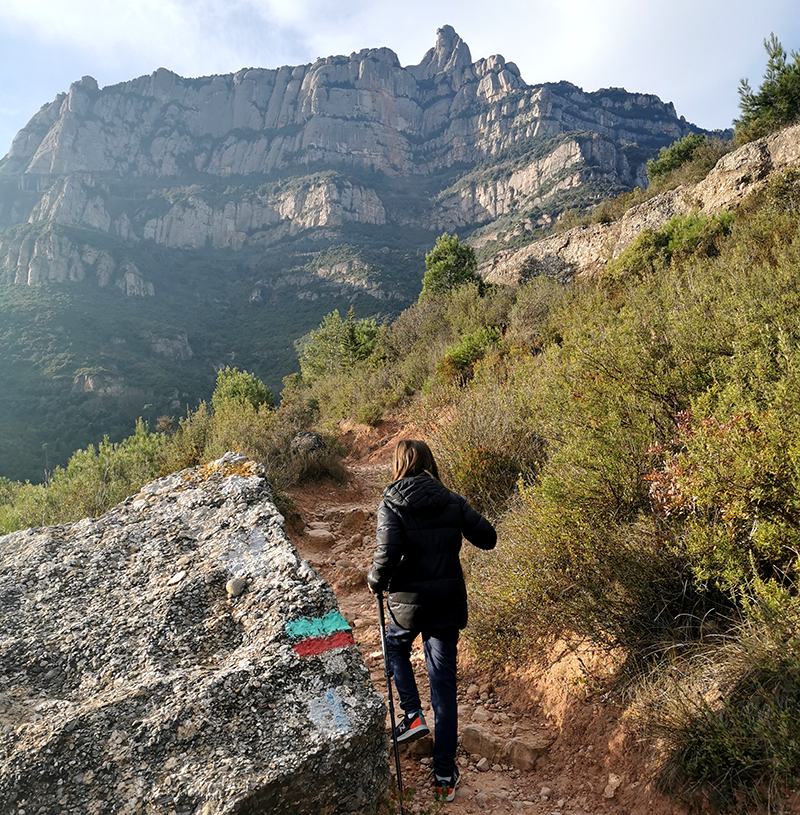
x: 388, y: 672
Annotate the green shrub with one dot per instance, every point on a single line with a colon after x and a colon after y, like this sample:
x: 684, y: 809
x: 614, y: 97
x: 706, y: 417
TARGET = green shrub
x: 610, y: 209
x: 734, y: 739
x: 683, y: 239
x: 726, y: 492
x: 776, y: 104
x: 94, y: 480
x: 187, y: 444
x: 703, y: 159
x: 264, y: 434
x: 238, y: 387
x: 490, y: 438
x: 672, y: 157
x: 459, y: 359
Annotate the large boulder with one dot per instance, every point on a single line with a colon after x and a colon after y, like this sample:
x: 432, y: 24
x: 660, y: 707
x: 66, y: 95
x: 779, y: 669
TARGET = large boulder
x: 177, y: 656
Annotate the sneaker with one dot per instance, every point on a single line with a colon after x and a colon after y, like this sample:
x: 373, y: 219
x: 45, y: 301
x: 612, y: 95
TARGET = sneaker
x: 411, y: 728
x: 445, y: 788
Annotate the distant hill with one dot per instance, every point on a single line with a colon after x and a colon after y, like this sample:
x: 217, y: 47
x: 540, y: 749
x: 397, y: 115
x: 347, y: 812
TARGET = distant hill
x: 155, y: 230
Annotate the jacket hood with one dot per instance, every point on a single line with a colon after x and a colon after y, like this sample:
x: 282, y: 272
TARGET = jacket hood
x: 421, y: 494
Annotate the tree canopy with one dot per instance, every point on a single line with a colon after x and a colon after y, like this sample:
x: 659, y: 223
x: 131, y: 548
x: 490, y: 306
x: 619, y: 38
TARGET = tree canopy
x: 449, y: 264
x: 337, y: 345
x: 234, y: 385
x: 776, y: 104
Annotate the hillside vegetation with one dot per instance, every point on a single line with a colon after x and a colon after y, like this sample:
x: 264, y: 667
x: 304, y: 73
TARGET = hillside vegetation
x: 634, y: 436
x: 159, y: 229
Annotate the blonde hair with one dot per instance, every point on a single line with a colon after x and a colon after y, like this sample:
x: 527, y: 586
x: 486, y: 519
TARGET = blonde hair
x: 413, y: 457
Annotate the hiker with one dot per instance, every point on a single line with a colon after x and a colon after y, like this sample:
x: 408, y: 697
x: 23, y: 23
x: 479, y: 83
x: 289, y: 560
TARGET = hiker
x: 420, y: 526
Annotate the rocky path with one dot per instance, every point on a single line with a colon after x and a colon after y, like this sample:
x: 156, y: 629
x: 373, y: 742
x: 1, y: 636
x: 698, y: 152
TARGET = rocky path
x: 534, y: 742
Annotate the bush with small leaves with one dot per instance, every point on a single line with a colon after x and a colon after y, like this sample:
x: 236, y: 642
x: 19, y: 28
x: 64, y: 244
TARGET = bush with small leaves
x: 776, y: 104
x: 235, y: 386
x: 448, y: 265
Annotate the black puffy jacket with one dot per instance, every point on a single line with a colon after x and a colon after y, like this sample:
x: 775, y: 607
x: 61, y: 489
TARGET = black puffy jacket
x: 420, y: 525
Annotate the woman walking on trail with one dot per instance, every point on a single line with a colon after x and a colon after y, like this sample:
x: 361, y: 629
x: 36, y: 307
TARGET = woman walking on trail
x: 420, y: 527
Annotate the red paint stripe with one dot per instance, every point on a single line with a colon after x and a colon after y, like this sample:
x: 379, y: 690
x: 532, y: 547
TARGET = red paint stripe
x: 318, y: 645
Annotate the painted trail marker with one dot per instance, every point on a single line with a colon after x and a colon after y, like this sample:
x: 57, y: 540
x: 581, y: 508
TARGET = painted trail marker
x: 316, y: 635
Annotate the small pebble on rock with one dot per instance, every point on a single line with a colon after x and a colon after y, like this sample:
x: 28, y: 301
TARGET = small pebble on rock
x: 236, y: 586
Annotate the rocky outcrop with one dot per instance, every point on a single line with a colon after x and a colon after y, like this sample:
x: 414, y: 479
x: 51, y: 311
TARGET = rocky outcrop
x: 203, y: 163
x: 344, y: 278
x: 364, y: 111
x: 585, y: 250
x: 174, y: 348
x: 194, y: 222
x: 176, y: 655
x: 51, y: 256
x: 570, y: 164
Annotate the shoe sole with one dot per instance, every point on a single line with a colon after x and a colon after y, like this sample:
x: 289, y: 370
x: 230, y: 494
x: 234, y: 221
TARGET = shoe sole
x: 413, y: 735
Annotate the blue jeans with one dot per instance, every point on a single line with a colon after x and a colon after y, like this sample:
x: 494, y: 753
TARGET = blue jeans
x: 440, y: 648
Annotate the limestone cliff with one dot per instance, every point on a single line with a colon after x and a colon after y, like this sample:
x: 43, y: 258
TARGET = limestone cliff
x: 583, y: 251
x: 156, y: 230
x: 145, y: 160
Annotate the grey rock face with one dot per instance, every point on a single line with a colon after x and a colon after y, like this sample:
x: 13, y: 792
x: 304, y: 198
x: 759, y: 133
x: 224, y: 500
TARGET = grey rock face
x: 364, y: 120
x: 176, y: 655
x: 584, y: 251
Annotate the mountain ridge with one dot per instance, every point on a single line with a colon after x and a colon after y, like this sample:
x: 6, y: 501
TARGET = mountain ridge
x: 229, y: 214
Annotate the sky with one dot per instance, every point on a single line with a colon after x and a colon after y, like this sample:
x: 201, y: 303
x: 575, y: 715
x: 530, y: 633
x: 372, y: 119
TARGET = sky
x: 692, y: 53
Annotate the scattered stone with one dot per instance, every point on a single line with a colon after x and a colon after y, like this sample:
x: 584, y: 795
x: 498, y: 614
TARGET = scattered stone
x: 523, y: 753
x: 421, y: 747
x: 483, y: 765
x: 354, y: 522
x: 236, y: 587
x: 320, y: 537
x: 306, y: 442
x: 613, y: 785
x: 517, y: 752
x: 478, y: 740
x: 177, y: 577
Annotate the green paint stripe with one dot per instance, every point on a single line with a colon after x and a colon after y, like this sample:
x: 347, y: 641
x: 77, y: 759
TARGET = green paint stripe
x: 318, y: 627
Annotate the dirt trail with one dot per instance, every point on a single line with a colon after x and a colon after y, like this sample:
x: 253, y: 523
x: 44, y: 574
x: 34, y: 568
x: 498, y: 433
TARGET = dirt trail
x: 565, y: 749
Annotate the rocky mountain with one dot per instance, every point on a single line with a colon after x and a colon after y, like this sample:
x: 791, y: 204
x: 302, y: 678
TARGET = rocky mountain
x: 167, y: 226
x: 583, y: 251
x: 494, y: 144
